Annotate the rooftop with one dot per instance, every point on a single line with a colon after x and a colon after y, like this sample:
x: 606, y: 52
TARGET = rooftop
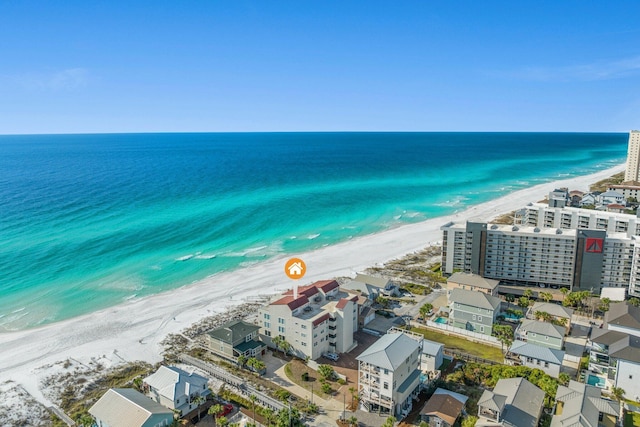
x: 623, y: 314
x: 390, y: 351
x: 474, y: 299
x: 522, y: 401
x: 537, y: 352
x: 233, y: 331
x: 581, y: 405
x: 446, y: 406
x: 553, y: 309
x: 473, y: 280
x: 543, y: 328
x: 126, y: 407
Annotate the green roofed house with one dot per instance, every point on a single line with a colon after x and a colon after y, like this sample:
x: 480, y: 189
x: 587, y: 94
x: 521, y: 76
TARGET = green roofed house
x: 234, y: 339
x: 125, y: 407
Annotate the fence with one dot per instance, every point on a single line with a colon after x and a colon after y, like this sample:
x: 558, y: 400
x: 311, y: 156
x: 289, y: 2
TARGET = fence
x: 473, y: 336
x: 468, y: 357
x: 237, y: 383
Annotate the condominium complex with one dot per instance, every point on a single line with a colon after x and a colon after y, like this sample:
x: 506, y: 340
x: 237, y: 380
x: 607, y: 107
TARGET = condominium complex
x: 579, y: 259
x: 313, y: 319
x: 543, y: 216
x: 632, y: 172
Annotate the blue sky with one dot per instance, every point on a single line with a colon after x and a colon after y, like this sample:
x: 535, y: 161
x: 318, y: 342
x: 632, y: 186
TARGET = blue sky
x: 113, y: 66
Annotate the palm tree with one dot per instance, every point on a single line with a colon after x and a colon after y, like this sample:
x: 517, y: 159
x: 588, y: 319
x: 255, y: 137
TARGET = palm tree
x: 268, y: 414
x: 215, y: 410
x: 198, y: 400
x: 242, y: 359
x: 352, y: 390
x: 618, y: 394
x: 528, y: 293
x: 223, y: 421
x: 253, y: 399
x: 353, y: 421
x: 564, y: 291
x: 546, y: 296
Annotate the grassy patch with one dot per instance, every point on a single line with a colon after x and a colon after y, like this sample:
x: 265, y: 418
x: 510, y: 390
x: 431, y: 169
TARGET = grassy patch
x: 632, y: 419
x: 460, y: 344
x: 603, y: 184
x: 294, y: 371
x: 416, y: 289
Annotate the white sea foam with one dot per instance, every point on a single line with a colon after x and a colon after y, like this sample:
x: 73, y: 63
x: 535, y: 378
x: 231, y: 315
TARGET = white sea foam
x: 205, y: 256
x: 313, y: 236
x: 185, y: 258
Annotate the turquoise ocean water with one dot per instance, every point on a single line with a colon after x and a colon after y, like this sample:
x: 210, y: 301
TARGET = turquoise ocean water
x: 90, y: 221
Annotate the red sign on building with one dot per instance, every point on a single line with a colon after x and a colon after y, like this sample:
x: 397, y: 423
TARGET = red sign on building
x: 594, y: 245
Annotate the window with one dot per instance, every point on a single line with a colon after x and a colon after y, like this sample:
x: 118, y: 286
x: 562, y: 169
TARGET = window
x: 386, y: 385
x: 267, y: 333
x: 281, y: 320
x: 386, y: 372
x: 630, y: 377
x: 304, y: 344
x: 281, y: 329
x: 304, y: 326
x: 267, y: 324
x: 546, y: 364
x: 267, y: 316
x: 474, y: 317
x: 479, y: 318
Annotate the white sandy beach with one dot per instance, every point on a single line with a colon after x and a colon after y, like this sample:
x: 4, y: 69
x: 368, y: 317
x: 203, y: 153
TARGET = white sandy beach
x: 133, y: 331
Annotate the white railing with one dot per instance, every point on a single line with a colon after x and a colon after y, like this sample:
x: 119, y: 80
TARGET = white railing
x: 487, y: 339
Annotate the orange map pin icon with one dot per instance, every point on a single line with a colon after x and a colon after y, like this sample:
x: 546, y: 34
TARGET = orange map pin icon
x: 295, y: 268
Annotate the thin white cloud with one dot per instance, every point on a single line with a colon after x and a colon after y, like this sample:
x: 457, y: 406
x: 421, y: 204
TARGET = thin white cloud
x: 602, y: 70
x: 68, y: 79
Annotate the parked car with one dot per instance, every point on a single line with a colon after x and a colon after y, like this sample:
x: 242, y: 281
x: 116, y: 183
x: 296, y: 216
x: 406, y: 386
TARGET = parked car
x: 331, y: 356
x: 226, y: 410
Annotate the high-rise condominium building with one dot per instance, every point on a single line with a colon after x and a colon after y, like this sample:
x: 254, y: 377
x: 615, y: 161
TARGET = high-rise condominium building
x: 632, y: 172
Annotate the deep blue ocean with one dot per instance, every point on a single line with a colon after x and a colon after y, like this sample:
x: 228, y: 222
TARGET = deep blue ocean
x: 89, y: 221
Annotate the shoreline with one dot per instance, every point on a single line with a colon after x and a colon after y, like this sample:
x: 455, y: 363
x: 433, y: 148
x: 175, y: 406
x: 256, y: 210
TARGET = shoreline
x: 133, y: 330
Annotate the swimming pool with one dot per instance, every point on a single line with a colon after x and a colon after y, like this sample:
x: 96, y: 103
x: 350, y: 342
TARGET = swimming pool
x: 441, y: 320
x: 596, y: 381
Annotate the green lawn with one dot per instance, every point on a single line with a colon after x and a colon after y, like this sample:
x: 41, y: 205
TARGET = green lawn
x: 460, y: 344
x: 632, y: 419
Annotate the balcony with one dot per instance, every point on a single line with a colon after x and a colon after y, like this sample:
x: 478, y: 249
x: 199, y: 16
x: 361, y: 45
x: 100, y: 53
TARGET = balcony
x: 332, y: 319
x: 332, y: 336
x: 332, y: 328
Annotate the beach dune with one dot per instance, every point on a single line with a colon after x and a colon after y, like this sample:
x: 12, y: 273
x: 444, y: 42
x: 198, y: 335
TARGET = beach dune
x: 134, y: 330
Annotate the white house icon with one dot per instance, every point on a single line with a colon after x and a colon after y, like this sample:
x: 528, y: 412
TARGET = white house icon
x: 295, y: 269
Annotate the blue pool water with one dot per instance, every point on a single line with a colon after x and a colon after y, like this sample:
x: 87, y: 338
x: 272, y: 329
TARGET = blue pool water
x: 441, y: 320
x: 596, y: 381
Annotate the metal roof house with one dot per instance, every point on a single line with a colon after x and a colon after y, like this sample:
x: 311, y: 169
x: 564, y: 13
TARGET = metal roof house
x: 126, y: 407
x: 389, y: 375
x: 514, y: 402
x: 175, y: 388
x: 581, y: 405
x: 546, y: 359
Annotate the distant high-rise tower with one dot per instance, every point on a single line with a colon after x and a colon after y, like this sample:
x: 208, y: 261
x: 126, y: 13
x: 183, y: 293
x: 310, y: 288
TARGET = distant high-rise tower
x: 632, y: 173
